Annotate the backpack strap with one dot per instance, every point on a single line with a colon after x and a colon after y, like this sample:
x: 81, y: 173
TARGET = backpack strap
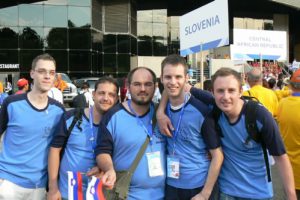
x: 77, y: 118
x: 254, y: 133
x: 216, y: 114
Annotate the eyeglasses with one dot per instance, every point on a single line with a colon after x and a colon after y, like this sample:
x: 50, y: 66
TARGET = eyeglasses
x: 44, y: 72
x: 139, y: 85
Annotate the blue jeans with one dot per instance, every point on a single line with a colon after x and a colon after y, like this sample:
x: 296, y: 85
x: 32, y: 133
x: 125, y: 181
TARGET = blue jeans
x: 228, y: 197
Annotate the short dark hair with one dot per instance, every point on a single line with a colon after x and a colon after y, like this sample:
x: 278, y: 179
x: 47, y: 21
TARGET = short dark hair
x: 223, y: 72
x: 44, y: 56
x: 130, y: 74
x: 107, y: 79
x: 174, y: 59
x: 207, y: 85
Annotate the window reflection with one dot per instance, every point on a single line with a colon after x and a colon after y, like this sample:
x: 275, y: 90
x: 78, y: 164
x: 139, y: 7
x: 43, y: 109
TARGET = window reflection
x: 109, y: 43
x: 9, y: 38
x: 55, y: 38
x: 31, y: 38
x: 79, y: 38
x: 97, y: 40
x: 133, y: 45
x: 123, y: 43
x: 9, y: 16
x: 30, y: 15
x: 55, y: 2
x: 9, y: 56
x: 159, y: 46
x: 160, y: 16
x: 123, y: 62
x: 144, y: 29
x: 79, y: 16
x: 26, y: 57
x: 80, y: 2
x: 144, y: 15
x: 55, y: 16
x: 80, y: 61
x: 60, y: 58
x: 144, y: 46
x: 109, y: 63
x: 160, y: 30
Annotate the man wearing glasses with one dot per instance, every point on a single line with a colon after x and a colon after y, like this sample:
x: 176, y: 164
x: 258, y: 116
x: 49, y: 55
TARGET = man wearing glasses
x: 123, y: 131
x: 29, y: 120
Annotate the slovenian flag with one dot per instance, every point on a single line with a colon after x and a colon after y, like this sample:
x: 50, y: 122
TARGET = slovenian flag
x: 75, y: 186
x: 94, y: 190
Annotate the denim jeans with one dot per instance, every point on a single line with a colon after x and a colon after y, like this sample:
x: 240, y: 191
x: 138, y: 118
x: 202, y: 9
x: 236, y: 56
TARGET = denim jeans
x: 228, y: 197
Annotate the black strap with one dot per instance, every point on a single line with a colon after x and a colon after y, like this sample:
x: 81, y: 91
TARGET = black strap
x: 254, y: 133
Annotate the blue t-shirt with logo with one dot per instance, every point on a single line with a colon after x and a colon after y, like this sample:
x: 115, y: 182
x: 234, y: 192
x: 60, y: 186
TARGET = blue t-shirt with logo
x: 29, y: 131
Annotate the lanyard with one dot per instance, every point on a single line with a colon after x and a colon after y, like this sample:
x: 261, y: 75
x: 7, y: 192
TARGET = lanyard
x: 92, y: 138
x: 147, y: 129
x: 296, y: 94
x: 175, y: 132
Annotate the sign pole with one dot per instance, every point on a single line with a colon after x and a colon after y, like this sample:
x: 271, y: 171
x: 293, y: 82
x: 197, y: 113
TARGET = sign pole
x: 201, y: 65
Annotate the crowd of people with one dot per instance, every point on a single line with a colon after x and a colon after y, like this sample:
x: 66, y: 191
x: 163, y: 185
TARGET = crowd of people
x: 195, y: 144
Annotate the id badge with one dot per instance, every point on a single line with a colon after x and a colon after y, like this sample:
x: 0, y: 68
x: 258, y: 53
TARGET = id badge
x: 173, y: 167
x: 154, y: 164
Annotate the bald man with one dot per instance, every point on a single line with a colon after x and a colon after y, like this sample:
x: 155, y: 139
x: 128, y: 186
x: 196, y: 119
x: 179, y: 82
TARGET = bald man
x: 265, y: 96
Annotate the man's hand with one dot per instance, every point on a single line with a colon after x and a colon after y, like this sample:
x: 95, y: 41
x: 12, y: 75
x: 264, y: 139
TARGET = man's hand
x: 164, y: 124
x: 95, y: 171
x: 109, y: 179
x: 53, y: 194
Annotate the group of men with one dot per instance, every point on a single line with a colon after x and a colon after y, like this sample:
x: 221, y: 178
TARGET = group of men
x: 183, y: 162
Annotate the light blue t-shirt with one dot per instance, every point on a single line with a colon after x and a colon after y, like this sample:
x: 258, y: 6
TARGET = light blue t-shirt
x: 189, y: 145
x: 121, y: 135
x: 29, y: 131
x: 79, y: 152
x: 243, y: 172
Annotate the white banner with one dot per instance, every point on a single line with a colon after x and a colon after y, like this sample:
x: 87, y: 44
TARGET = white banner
x: 207, y: 25
x: 251, y: 44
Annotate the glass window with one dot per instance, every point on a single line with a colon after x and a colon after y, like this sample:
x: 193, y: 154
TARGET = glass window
x: 110, y: 43
x: 79, y: 2
x: 55, y: 16
x: 55, y: 38
x: 56, y: 2
x: 144, y: 29
x: 160, y: 30
x: 123, y: 62
x: 109, y: 63
x: 97, y: 40
x: 26, y: 57
x: 60, y: 57
x: 160, y: 16
x: 159, y: 47
x: 144, y: 15
x: 174, y: 21
x: 9, y: 57
x: 31, y: 38
x: 9, y: 16
x: 79, y: 16
x: 133, y: 45
x: 80, y: 38
x: 31, y: 15
x: 95, y: 62
x: 145, y: 46
x: 80, y: 61
x: 174, y: 34
x: 123, y: 43
x: 9, y: 38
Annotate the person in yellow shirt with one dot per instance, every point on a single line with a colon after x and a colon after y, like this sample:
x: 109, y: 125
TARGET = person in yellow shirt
x: 60, y: 83
x: 264, y: 95
x: 1, y: 87
x: 289, y: 125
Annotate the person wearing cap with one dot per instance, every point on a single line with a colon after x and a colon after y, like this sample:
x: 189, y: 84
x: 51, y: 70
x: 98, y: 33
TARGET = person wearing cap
x: 60, y: 83
x: 289, y: 125
x: 22, y: 85
x: 264, y: 95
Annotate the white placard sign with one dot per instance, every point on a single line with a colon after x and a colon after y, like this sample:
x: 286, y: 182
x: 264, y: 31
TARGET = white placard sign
x: 253, y: 44
x: 206, y: 26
